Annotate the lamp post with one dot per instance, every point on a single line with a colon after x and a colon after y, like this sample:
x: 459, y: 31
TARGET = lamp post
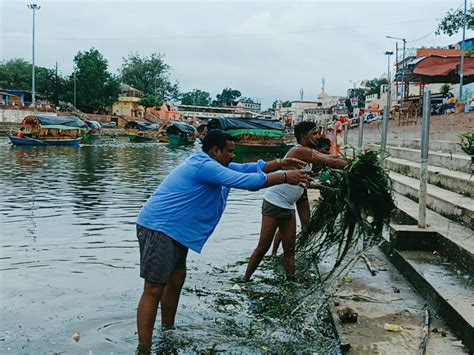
x: 403, y: 63
x: 386, y: 108
x: 461, y: 74
x: 33, y: 7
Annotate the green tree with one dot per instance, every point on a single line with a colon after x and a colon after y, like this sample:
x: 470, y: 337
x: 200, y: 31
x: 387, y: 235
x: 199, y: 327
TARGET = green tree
x: 373, y: 86
x: 96, y: 88
x: 151, y: 75
x: 227, y: 97
x: 453, y: 21
x: 445, y: 89
x: 197, y: 98
x: 360, y: 94
x: 15, y: 74
x: 148, y: 101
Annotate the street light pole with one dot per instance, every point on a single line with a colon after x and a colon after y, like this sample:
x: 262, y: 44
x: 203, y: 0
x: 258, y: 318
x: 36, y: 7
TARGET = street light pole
x: 386, y: 110
x: 403, y: 63
x: 33, y: 7
x: 461, y: 75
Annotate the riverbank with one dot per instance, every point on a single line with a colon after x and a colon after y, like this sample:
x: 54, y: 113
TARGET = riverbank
x: 386, y: 297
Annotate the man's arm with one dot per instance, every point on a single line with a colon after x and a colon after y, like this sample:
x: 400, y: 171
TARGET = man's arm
x: 314, y: 157
x: 269, y: 166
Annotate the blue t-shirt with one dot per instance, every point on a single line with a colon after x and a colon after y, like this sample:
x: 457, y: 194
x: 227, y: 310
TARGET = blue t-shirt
x: 189, y: 203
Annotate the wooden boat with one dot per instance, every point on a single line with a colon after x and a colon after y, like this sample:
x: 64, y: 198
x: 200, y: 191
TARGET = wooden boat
x: 141, y: 132
x: 50, y: 131
x: 180, y: 133
x: 94, y: 132
x: 253, y: 135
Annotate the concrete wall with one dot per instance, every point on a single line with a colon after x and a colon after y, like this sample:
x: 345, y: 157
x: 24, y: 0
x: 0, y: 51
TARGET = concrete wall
x: 444, y: 127
x: 9, y: 115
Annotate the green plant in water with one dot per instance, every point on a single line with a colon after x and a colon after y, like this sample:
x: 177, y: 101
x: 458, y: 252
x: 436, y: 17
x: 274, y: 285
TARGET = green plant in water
x: 355, y: 203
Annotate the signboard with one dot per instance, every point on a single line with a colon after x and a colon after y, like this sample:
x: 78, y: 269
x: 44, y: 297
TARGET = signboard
x: 354, y: 101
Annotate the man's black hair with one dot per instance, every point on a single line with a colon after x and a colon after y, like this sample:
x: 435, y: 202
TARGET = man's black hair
x: 216, y: 138
x: 302, y: 128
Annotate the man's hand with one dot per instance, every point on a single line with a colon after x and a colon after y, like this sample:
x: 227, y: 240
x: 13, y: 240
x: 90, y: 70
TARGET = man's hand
x: 298, y: 177
x: 292, y: 164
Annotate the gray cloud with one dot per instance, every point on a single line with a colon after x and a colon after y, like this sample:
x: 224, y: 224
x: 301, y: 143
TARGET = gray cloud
x: 266, y: 49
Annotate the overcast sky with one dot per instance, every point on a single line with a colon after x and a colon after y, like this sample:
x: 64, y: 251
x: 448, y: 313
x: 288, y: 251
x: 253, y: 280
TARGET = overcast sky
x: 266, y: 49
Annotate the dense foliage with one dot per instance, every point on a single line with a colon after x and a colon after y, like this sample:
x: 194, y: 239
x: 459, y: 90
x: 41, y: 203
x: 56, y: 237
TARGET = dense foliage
x: 355, y: 203
x: 196, y: 98
x: 454, y: 20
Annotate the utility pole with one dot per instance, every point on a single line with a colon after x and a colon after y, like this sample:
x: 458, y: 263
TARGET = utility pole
x: 56, y: 87
x: 74, y: 88
x: 386, y: 110
x: 33, y: 7
x: 461, y: 74
x: 403, y: 63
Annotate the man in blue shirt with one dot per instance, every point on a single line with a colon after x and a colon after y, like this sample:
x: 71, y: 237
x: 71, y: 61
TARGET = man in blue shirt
x: 184, y: 211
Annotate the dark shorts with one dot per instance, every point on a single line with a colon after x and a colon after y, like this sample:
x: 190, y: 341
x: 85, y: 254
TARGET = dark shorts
x: 159, y: 255
x: 270, y: 210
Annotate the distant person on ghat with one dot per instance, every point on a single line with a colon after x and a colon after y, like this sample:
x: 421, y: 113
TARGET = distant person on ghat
x: 184, y: 211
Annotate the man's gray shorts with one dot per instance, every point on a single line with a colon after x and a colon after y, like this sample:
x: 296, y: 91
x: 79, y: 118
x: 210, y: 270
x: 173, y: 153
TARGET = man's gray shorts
x: 269, y: 209
x: 159, y: 255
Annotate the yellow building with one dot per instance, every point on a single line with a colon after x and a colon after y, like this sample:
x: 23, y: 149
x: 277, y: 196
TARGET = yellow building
x: 128, y: 102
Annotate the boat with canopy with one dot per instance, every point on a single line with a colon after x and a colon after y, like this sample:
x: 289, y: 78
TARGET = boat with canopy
x: 50, y: 130
x: 254, y: 135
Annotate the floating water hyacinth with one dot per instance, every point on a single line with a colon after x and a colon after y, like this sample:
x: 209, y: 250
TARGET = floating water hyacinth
x: 355, y: 203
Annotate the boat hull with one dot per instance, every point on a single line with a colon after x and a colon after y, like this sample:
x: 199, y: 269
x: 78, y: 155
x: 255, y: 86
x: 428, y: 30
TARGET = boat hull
x: 261, y: 148
x: 177, y: 140
x: 46, y: 142
x: 140, y: 139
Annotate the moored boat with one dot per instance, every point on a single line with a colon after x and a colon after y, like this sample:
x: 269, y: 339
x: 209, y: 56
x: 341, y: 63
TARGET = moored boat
x: 180, y: 133
x: 141, y: 132
x: 253, y: 135
x: 94, y: 131
x: 50, y: 131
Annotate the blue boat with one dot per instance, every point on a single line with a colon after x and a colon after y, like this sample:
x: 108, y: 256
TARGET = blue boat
x: 29, y: 141
x: 50, y: 131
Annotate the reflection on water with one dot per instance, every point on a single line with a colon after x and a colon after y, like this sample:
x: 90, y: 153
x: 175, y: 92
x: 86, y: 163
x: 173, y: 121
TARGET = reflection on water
x: 69, y: 256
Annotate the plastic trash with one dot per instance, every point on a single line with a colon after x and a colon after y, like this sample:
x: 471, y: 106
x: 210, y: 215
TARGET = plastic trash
x: 236, y: 287
x: 76, y: 336
x: 392, y: 327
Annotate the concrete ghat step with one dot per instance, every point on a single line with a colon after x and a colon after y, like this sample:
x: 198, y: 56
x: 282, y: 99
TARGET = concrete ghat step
x: 435, y: 145
x: 455, y: 181
x: 445, y: 202
x: 449, y: 290
x: 459, y: 162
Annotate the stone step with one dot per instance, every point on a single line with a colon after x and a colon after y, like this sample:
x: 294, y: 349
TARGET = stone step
x: 435, y: 145
x: 447, y: 203
x: 438, y: 261
x: 458, y: 162
x: 456, y: 181
x: 449, y: 290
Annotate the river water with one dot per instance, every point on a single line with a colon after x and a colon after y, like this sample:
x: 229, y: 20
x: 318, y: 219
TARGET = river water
x: 69, y: 255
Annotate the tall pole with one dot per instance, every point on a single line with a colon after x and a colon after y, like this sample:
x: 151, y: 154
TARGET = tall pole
x: 403, y: 70
x: 461, y: 74
x: 33, y: 7
x: 386, y: 111
x: 74, y: 88
x: 425, y: 136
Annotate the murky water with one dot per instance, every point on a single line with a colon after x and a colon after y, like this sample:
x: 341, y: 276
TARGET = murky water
x: 69, y: 255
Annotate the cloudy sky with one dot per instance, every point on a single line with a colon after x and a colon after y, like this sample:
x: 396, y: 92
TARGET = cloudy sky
x: 266, y: 49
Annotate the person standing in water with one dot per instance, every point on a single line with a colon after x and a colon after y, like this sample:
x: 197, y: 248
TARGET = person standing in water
x: 278, y: 208
x: 182, y: 214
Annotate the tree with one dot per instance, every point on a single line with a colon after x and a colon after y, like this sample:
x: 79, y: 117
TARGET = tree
x: 227, y: 97
x: 96, y: 88
x: 373, y: 86
x: 360, y: 94
x: 151, y: 75
x: 15, y: 74
x: 445, y: 89
x: 453, y: 21
x: 148, y: 101
x: 197, y: 98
